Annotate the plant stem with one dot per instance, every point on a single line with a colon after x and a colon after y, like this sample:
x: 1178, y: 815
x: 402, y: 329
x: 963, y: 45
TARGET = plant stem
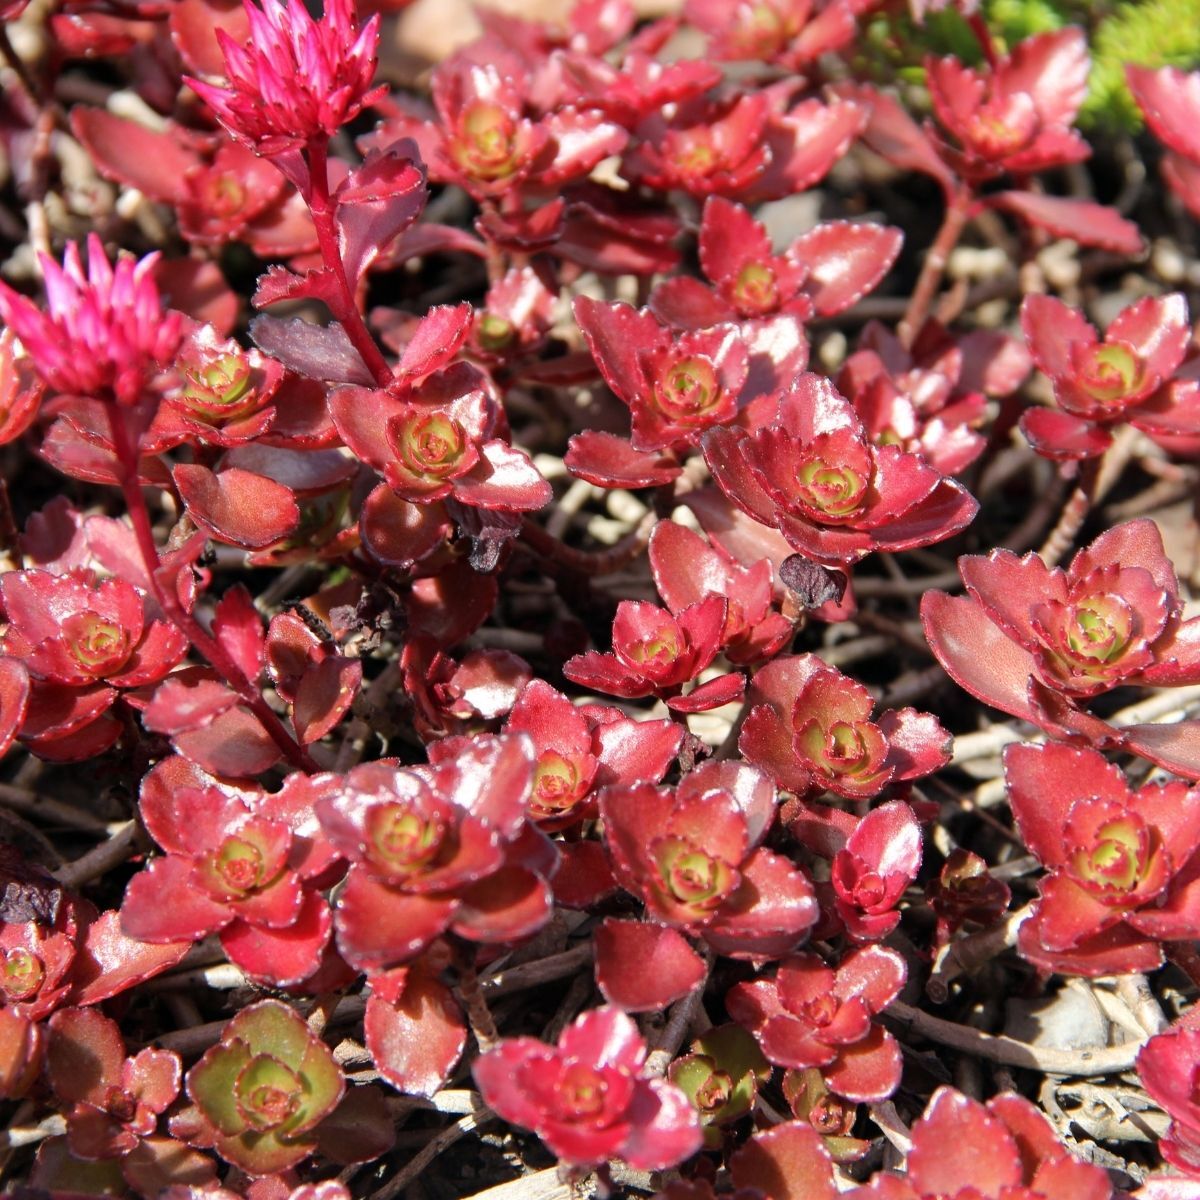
x: 958, y: 213
x: 1096, y: 479
x: 584, y: 562
x: 203, y: 641
x: 1105, y: 1060
x: 345, y: 309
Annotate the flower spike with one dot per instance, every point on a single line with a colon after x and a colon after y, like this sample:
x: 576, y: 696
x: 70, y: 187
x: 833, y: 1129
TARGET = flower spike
x: 297, y: 80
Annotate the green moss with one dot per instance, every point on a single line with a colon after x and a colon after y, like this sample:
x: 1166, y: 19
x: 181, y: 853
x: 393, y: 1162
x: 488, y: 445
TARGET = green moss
x: 1151, y: 33
x: 1148, y: 33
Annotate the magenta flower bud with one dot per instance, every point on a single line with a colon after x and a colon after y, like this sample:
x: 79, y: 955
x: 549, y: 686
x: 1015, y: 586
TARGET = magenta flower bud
x: 103, y: 334
x: 296, y: 80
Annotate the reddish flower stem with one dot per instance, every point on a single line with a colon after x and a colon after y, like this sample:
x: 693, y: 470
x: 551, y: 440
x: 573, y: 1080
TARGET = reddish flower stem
x: 202, y: 641
x: 958, y: 213
x: 345, y: 312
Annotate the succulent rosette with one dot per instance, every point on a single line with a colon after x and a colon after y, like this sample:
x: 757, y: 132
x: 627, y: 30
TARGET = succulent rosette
x: 1037, y: 642
x: 439, y: 441
x: 812, y: 473
x: 588, y: 1098
x: 441, y: 847
x: 1124, y: 874
x: 82, y: 639
x: 263, y: 1089
x: 870, y: 873
x: 577, y: 753
x: 655, y: 653
x: 236, y: 864
x: 115, y: 1100
x: 675, y: 386
x: 1124, y: 376
x: 812, y: 1015
x: 694, y: 856
x: 824, y: 271
x: 491, y: 139
x: 224, y: 395
x: 791, y: 33
x: 1017, y: 115
x: 810, y: 728
x: 687, y: 569
x: 930, y: 399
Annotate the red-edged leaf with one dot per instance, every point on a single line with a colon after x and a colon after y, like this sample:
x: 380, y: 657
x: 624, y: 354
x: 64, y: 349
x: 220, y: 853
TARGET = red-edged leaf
x: 610, y: 461
x: 1063, y: 436
x: 787, y: 1162
x: 324, y: 695
x: 14, y: 700
x: 234, y: 743
x: 436, y: 340
x: 236, y: 506
x: 725, y: 689
x: 157, y: 164
x: 239, y: 629
x: 376, y: 202
x: 108, y: 962
x: 845, y: 261
x: 399, y: 533
x: 84, y: 1057
x: 417, y: 1039
x: 978, y: 655
x: 281, y: 957
x: 1082, y: 221
x: 189, y: 916
x: 623, y: 951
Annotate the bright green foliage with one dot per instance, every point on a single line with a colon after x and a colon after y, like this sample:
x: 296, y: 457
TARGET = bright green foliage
x: 1150, y: 33
x: 264, y: 1087
x: 1147, y: 33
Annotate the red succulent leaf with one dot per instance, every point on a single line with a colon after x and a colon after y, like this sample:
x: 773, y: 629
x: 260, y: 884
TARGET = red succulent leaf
x: 376, y: 202
x: 399, y: 533
x: 238, y: 627
x: 610, y: 461
x: 587, y: 1099
x: 414, y: 1030
x: 285, y: 956
x: 109, y: 962
x: 157, y: 164
x: 844, y: 262
x: 1062, y: 436
x: 324, y: 695
x: 510, y: 904
x: 193, y: 916
x: 233, y: 743
x: 623, y: 948
x: 1170, y: 101
x: 14, y: 699
x: 237, y: 506
x: 957, y: 1138
x: 1083, y: 221
x: 84, y: 1056
x: 786, y: 1162
x: 20, y: 390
